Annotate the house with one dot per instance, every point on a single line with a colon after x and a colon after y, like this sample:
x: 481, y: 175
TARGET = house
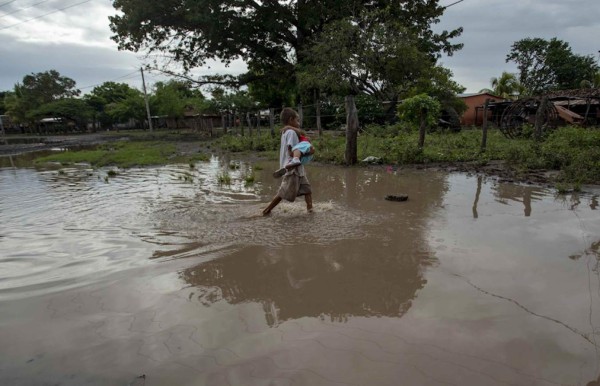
x: 473, y: 116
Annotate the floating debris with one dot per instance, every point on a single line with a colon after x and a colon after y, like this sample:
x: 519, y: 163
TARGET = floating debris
x: 398, y: 197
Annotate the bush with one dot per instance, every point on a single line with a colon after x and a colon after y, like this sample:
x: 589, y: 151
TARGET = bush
x: 576, y: 152
x: 410, y: 110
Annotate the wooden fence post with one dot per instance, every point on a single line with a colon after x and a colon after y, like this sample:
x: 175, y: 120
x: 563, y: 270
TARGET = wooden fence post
x: 484, y: 126
x: 318, y: 113
x: 249, y: 123
x: 272, y: 121
x: 351, y: 155
x: 539, y: 118
x: 258, y: 123
x: 422, y: 127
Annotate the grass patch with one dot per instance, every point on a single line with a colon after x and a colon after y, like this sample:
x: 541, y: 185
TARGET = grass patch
x: 123, y: 154
x: 249, y: 179
x: 187, y: 177
x: 574, y: 151
x: 224, y: 178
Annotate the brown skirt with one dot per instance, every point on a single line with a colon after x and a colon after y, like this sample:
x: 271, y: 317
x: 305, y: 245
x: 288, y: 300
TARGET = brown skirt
x: 292, y: 186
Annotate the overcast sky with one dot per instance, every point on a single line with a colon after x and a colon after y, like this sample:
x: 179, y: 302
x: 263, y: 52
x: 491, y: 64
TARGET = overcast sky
x: 76, y: 41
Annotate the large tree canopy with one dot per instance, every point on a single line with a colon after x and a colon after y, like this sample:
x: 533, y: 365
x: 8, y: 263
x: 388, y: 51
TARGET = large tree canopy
x: 70, y: 108
x: 272, y: 37
x: 546, y: 65
x: 37, y: 90
x: 105, y: 95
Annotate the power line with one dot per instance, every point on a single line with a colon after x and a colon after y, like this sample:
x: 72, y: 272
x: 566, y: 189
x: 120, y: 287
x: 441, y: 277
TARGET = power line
x: 7, y: 3
x: 112, y: 80
x: 456, y: 2
x: 46, y: 14
x: 22, y: 9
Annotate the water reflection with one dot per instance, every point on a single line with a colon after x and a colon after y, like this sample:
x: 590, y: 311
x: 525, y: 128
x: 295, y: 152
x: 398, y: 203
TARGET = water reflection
x: 168, y: 273
x: 519, y: 193
x: 364, y: 256
x: 339, y: 281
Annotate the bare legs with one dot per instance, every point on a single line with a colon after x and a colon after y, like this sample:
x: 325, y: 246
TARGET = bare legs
x: 308, y: 199
x: 276, y: 200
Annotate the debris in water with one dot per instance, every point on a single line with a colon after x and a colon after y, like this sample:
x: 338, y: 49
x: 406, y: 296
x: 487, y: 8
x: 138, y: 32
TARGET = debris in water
x: 398, y: 197
x: 139, y: 381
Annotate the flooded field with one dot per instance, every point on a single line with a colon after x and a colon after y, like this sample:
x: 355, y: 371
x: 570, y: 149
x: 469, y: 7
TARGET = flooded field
x: 171, y: 273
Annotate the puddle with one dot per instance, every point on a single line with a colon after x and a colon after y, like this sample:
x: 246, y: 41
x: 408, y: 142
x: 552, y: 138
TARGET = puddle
x: 168, y: 273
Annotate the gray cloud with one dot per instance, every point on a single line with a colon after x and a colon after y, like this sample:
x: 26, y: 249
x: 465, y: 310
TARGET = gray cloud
x: 77, y: 42
x: 86, y: 65
x: 492, y: 26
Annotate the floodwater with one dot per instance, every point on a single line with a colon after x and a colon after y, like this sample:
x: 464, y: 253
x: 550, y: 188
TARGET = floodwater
x: 166, y: 273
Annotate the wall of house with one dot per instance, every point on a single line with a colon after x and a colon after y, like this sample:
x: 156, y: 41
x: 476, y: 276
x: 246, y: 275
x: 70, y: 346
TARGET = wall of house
x: 469, y: 117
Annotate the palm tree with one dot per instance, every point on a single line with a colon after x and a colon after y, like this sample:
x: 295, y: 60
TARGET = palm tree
x: 506, y: 86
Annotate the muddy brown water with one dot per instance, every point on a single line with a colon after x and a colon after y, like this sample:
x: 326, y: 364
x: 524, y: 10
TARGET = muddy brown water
x: 164, y: 272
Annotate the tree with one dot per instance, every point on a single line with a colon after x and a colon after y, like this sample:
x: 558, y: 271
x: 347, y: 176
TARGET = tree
x: 108, y: 93
x: 422, y: 111
x: 420, y: 107
x: 439, y: 85
x: 378, y: 56
x: 173, y: 98
x: 506, y: 86
x: 131, y: 107
x: 169, y: 99
x: 48, y: 86
x: 376, y: 59
x: 37, y: 90
x: 72, y: 109
x: 3, y: 96
x: 550, y: 65
x: 272, y: 37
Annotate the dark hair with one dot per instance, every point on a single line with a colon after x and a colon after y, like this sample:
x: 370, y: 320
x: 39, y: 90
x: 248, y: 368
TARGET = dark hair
x: 287, y: 114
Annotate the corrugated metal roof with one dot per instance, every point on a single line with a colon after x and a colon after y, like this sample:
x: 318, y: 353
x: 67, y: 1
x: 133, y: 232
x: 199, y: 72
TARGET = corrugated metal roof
x: 466, y: 95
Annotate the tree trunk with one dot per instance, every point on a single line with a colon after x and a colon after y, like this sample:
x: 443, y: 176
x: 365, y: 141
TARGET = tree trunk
x: 351, y: 156
x: 484, y: 127
x: 300, y: 114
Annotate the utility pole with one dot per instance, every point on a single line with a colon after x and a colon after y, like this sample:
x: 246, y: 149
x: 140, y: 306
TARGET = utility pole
x: 146, y: 100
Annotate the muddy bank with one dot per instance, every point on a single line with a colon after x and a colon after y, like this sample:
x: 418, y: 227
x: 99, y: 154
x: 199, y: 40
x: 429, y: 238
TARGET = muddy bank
x: 16, y: 145
x: 497, y: 170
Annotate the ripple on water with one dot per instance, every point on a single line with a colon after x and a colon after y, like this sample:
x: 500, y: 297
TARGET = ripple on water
x: 243, y: 223
x: 76, y: 226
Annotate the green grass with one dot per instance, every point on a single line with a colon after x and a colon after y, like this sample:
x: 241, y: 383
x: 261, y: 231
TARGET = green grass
x: 249, y: 179
x: 122, y: 154
x: 574, y: 151
x: 224, y: 178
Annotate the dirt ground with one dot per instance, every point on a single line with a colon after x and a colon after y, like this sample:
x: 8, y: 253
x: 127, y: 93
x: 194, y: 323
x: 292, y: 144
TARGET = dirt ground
x: 25, y: 144
x: 494, y: 169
